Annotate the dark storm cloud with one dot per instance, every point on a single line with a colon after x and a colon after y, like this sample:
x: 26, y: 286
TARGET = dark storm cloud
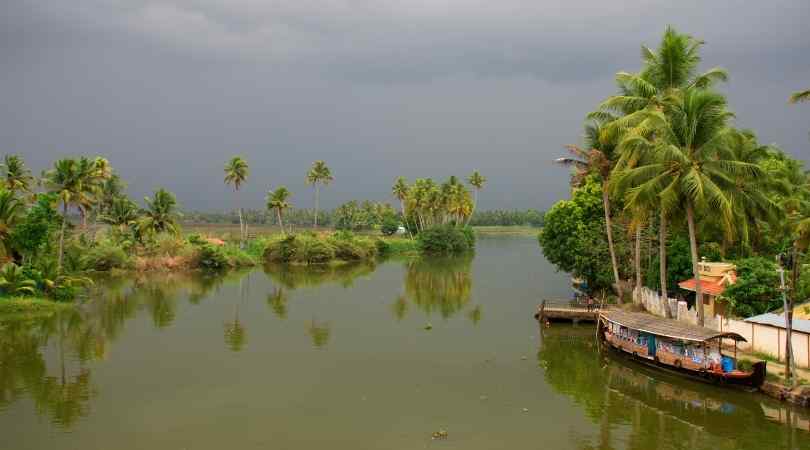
x: 169, y: 89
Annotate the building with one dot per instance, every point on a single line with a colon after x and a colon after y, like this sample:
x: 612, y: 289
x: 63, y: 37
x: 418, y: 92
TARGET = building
x: 714, y: 278
x: 768, y: 335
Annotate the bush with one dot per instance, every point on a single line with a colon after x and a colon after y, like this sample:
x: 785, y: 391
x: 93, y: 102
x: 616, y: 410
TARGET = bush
x: 396, y: 246
x: 447, y: 240
x: 313, y: 250
x: 210, y: 257
x: 350, y: 248
x: 389, y: 225
x: 757, y: 288
x: 106, y: 256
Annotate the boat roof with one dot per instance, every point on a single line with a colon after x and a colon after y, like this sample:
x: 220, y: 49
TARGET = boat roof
x: 665, y: 327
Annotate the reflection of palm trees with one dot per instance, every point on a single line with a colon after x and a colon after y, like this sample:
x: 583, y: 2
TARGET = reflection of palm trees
x: 439, y: 283
x: 235, y: 332
x: 278, y: 302
x: 320, y: 332
x: 400, y: 307
x: 475, y: 315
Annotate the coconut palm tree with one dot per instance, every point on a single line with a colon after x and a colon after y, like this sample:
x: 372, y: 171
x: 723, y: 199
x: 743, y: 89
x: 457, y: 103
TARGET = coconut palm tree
x: 122, y: 213
x: 160, y: 214
x: 667, y: 70
x: 66, y: 180
x: 16, y: 176
x: 477, y: 181
x: 278, y: 200
x: 597, y: 161
x: 687, y: 164
x: 236, y: 173
x: 10, y: 211
x: 800, y: 96
x: 400, y: 192
x: 317, y: 175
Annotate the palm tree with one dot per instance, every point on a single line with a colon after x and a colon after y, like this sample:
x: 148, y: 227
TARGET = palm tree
x: 278, y: 200
x: 66, y: 181
x: 14, y: 281
x: 160, y: 214
x: 687, y: 164
x: 400, y: 192
x: 122, y: 213
x: 16, y: 176
x: 10, y: 211
x: 477, y: 181
x: 667, y: 70
x: 800, y: 96
x: 596, y: 161
x: 236, y: 173
x: 318, y: 174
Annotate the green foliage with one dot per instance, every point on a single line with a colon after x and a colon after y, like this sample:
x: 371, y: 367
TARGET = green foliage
x: 573, y: 236
x: 397, y: 246
x: 106, y: 255
x: 211, y: 257
x: 446, y: 240
x: 34, y: 233
x: 354, y: 216
x: 679, y: 264
x: 506, y: 218
x: 15, y: 282
x: 352, y: 248
x: 757, y: 288
x: 389, y: 225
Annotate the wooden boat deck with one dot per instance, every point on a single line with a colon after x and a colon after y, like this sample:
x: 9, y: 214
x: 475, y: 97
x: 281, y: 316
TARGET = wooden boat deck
x: 561, y: 310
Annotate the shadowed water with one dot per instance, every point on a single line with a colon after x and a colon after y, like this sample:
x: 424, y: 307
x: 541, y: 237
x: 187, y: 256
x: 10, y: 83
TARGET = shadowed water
x: 354, y: 357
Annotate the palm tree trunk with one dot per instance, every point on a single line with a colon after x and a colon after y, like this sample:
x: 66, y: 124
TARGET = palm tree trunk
x: 83, y: 213
x: 61, y: 240
x: 690, y: 218
x: 317, y: 192
x: 662, y: 256
x: 637, y: 263
x: 280, y: 223
x: 609, y: 231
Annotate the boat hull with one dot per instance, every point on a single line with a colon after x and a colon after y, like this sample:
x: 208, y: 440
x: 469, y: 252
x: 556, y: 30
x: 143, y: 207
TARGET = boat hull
x: 746, y: 380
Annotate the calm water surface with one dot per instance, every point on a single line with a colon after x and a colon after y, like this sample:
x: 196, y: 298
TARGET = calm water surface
x: 360, y: 357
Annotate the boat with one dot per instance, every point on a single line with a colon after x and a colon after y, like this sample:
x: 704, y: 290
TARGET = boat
x: 687, y: 349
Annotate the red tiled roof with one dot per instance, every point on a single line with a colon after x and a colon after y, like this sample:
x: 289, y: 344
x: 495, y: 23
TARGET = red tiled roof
x: 708, y: 287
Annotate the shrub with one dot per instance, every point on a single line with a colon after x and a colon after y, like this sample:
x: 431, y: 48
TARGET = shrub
x: 353, y: 249
x: 389, y: 226
x: 106, y: 256
x: 210, y: 257
x: 757, y: 288
x: 397, y: 246
x: 15, y: 281
x: 312, y: 250
x: 167, y: 244
x: 446, y: 239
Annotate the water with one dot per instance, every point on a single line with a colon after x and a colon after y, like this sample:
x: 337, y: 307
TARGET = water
x: 353, y: 358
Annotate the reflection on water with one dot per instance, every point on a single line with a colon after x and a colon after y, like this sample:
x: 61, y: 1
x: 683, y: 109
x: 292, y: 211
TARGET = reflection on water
x: 659, y: 407
x: 302, y: 356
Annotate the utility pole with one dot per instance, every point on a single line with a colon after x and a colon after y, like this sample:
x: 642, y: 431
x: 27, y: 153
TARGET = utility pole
x: 788, y: 307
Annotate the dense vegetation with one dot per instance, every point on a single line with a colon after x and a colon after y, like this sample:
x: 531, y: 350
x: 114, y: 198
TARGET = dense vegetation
x: 665, y: 179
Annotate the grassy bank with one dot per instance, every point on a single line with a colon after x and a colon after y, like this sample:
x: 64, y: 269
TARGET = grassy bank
x: 310, y: 248
x: 507, y: 230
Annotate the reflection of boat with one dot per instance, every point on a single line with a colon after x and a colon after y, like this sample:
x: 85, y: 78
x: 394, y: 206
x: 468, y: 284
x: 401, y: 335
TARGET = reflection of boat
x: 668, y: 344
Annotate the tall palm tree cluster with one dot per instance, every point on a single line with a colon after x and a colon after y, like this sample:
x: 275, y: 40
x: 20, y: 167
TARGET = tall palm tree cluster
x: 425, y: 203
x: 88, y: 186
x: 666, y: 152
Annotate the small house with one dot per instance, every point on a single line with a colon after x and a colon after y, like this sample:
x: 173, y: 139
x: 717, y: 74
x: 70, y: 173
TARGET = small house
x: 714, y: 278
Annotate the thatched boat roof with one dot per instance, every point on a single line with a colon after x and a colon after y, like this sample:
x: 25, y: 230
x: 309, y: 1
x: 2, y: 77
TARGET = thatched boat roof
x: 665, y: 327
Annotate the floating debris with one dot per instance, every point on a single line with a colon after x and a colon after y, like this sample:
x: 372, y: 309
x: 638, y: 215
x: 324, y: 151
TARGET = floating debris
x: 429, y: 326
x: 441, y: 434
x: 525, y: 410
x: 523, y: 358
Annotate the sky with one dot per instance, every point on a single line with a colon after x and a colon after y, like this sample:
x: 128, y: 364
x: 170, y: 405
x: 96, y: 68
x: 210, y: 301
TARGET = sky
x: 169, y: 90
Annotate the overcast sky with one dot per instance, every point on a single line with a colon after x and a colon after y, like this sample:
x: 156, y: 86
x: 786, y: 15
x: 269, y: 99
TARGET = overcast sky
x: 169, y: 90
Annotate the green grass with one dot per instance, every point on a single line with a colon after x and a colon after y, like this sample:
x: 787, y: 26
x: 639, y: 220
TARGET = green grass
x: 505, y: 230
x: 23, y: 308
x: 399, y: 246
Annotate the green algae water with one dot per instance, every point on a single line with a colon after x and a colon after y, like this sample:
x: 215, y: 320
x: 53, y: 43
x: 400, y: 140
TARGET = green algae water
x: 354, y: 357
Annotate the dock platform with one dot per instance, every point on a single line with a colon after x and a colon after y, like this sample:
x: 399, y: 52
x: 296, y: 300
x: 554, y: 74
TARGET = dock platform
x: 560, y: 310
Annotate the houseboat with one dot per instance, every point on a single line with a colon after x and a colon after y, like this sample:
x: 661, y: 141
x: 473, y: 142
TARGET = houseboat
x: 688, y: 349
